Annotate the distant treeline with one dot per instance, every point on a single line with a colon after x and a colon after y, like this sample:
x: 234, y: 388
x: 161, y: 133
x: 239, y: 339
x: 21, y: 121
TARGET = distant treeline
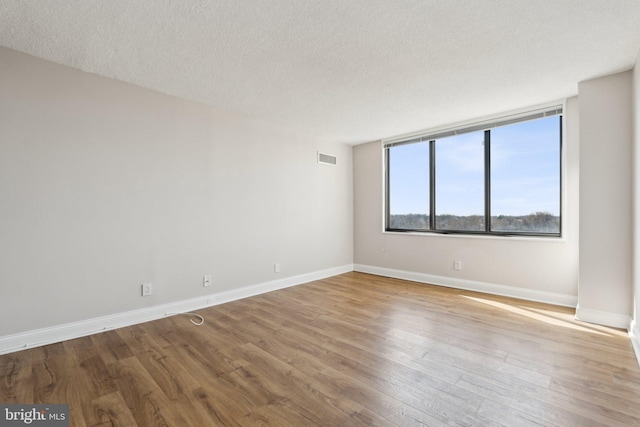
x: 538, y: 222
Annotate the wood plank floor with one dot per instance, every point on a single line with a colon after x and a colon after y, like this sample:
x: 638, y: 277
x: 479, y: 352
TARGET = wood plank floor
x: 351, y: 350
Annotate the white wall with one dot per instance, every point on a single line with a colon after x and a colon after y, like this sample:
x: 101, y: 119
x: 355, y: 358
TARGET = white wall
x: 635, y: 332
x: 105, y: 185
x: 606, y: 200
x: 544, y: 269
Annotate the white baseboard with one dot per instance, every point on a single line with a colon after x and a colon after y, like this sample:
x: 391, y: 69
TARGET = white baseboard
x: 634, y: 334
x: 472, y: 285
x: 58, y: 333
x: 604, y: 318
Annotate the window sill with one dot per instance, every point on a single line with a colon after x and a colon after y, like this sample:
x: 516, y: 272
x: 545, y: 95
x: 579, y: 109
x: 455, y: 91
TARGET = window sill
x: 511, y: 237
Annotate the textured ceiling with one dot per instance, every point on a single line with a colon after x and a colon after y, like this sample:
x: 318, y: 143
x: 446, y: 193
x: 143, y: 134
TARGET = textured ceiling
x: 345, y: 70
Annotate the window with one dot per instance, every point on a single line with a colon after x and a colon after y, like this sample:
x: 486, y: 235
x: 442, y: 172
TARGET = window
x: 500, y: 178
x: 460, y: 182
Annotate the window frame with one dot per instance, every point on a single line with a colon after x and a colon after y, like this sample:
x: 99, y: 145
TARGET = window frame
x: 557, y: 110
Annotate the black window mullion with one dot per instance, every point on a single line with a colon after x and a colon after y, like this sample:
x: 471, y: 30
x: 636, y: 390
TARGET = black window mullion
x: 487, y: 181
x: 432, y: 185
x: 561, y: 179
x: 387, y: 189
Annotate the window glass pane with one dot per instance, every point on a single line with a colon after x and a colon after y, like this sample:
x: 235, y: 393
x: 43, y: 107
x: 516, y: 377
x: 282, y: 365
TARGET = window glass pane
x: 409, y: 186
x: 460, y: 182
x: 525, y: 176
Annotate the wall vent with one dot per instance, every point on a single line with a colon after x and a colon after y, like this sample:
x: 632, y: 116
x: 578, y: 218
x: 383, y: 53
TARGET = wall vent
x: 326, y: 159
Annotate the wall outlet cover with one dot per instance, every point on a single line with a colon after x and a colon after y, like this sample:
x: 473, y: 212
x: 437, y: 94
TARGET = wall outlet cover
x: 147, y: 289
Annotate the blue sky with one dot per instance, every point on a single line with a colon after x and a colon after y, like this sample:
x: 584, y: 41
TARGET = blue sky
x: 525, y: 172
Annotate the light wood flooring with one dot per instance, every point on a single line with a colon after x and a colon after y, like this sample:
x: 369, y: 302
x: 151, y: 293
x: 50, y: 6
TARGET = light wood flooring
x: 351, y: 350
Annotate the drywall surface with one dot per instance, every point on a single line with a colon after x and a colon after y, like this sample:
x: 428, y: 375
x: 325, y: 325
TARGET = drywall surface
x: 606, y: 230
x: 636, y: 200
x: 105, y: 185
x: 544, y: 265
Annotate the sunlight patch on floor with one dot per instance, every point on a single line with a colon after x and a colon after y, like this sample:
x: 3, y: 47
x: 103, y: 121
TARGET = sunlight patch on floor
x: 564, y: 320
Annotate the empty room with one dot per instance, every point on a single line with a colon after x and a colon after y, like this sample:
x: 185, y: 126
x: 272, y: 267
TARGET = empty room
x: 320, y: 213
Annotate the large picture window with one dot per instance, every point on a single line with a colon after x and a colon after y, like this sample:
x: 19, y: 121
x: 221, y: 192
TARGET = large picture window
x: 502, y: 177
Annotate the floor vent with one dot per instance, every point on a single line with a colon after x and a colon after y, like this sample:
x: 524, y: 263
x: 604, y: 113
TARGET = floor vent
x: 326, y: 159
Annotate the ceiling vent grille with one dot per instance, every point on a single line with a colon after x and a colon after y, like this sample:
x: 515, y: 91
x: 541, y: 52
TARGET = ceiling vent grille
x: 326, y: 159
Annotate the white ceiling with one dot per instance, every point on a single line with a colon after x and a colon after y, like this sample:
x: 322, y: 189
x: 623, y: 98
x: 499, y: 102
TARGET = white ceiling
x: 345, y: 70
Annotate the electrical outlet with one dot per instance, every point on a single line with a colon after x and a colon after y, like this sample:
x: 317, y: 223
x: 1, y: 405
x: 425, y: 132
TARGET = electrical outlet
x: 457, y: 265
x: 276, y: 267
x: 147, y: 289
x: 207, y: 280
